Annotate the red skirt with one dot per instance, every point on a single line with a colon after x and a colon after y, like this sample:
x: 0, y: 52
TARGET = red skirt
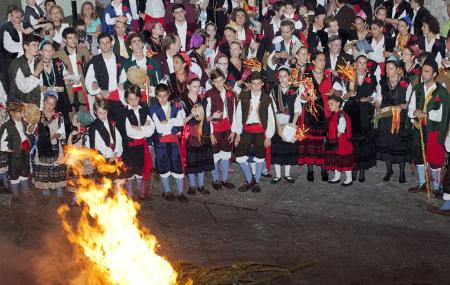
x: 341, y: 158
x: 435, y: 151
x: 312, y: 151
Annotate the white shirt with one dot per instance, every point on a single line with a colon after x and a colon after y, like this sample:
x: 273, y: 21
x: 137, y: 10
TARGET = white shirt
x: 433, y: 115
x: 112, y: 21
x: 166, y: 128
x: 12, y: 46
x: 155, y: 8
x: 275, y: 25
x: 105, y: 150
x: 142, y: 63
x: 27, y: 84
x: 394, y: 11
x: 333, y: 60
x: 378, y: 50
x: 58, y: 33
x: 33, y: 21
x: 145, y: 131
x: 182, y: 31
x: 412, y: 20
x: 253, y: 117
x: 170, y: 63
x: 112, y: 76
x: 134, y: 9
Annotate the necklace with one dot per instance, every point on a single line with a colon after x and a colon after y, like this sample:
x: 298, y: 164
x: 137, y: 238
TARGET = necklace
x: 50, y: 76
x: 181, y: 86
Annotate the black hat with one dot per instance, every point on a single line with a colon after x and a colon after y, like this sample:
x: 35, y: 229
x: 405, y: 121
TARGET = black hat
x: 430, y: 61
x: 320, y: 10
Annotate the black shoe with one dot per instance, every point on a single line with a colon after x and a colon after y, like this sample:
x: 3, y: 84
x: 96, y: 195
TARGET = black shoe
x: 289, y: 179
x: 182, y: 198
x: 275, y: 180
x: 334, y: 181
x: 217, y: 185
x: 347, y: 184
x: 256, y: 188
x: 401, y: 178
x: 192, y: 190
x: 168, y: 196
x: 437, y: 194
x: 324, y: 175
x: 354, y: 173
x: 362, y: 177
x: 310, y: 176
x: 245, y: 187
x: 228, y: 185
x: 203, y: 190
x: 388, y: 175
x: 266, y: 174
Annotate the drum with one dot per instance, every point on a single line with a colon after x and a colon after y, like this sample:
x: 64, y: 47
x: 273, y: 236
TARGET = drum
x: 31, y: 113
x: 385, y: 112
x: 197, y: 111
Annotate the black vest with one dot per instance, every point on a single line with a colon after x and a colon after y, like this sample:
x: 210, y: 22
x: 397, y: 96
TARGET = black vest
x: 101, y: 72
x: 98, y: 126
x: 288, y: 101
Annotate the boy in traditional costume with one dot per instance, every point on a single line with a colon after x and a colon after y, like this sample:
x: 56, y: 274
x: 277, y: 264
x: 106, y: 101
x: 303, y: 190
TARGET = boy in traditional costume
x: 137, y: 127
x: 429, y: 108
x: 254, y: 123
x: 16, y: 141
x: 168, y: 119
x: 220, y: 111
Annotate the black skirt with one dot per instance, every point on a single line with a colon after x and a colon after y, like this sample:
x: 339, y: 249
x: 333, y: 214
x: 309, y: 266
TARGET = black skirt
x: 283, y: 153
x: 364, y: 149
x: 392, y: 147
x: 199, y: 157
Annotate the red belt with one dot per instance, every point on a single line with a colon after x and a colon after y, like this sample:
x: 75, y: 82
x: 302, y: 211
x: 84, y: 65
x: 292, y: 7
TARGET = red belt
x: 77, y: 88
x: 114, y: 95
x: 25, y: 146
x: 222, y: 125
x: 147, y: 157
x: 169, y: 138
x: 144, y: 98
x: 254, y: 128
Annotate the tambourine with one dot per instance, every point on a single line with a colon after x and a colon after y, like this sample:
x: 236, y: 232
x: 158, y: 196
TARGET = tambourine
x: 198, y: 112
x: 288, y: 133
x: 137, y: 75
x: 31, y: 113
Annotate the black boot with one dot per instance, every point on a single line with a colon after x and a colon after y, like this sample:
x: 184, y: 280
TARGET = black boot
x: 354, y: 172
x: 324, y: 175
x: 402, y: 178
x: 362, y: 176
x: 389, y: 171
x: 310, y: 175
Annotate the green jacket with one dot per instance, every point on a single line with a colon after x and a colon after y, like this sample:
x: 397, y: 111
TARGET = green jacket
x: 34, y: 96
x: 440, y: 98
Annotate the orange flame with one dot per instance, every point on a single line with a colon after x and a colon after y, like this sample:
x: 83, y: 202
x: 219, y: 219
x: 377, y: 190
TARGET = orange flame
x: 108, y: 234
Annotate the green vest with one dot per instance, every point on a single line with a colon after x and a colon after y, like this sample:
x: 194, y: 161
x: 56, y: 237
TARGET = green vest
x: 13, y: 138
x: 34, y: 96
x: 264, y: 103
x: 439, y: 96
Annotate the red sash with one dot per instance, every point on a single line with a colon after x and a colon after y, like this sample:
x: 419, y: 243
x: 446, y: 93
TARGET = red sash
x: 114, y: 95
x: 254, y: 128
x: 222, y: 125
x: 184, y: 138
x: 25, y: 146
x: 144, y: 98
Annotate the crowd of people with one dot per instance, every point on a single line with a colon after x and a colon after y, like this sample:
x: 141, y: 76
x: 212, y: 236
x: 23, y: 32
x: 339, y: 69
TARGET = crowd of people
x: 183, y: 88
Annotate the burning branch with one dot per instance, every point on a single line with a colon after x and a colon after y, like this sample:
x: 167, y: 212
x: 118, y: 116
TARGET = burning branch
x: 253, y: 64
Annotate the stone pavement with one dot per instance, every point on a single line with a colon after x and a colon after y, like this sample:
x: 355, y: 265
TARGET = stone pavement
x: 370, y: 233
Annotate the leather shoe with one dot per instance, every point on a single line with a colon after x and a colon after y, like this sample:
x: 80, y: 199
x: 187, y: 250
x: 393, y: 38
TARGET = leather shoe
x: 245, y: 187
x: 347, y: 184
x: 203, y: 190
x: 256, y: 188
x: 217, y: 185
x: 182, y: 198
x: 266, y: 174
x: 228, y: 185
x: 289, y: 179
x: 192, y: 190
x: 415, y: 189
x: 334, y: 181
x: 168, y: 196
x: 388, y: 175
x: 275, y: 180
